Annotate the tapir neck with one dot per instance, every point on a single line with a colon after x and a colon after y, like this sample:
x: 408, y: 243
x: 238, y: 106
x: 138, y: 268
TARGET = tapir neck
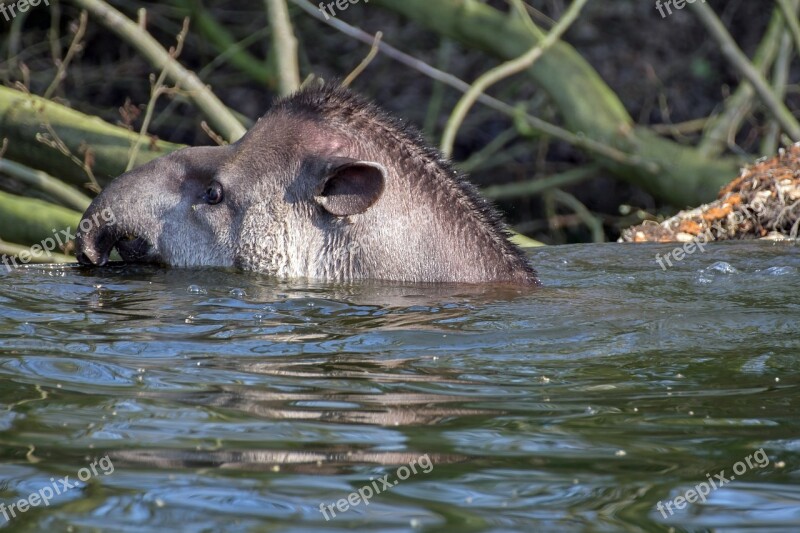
x: 444, y: 239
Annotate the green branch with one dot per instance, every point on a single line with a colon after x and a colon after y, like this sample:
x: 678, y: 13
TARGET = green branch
x: 507, y: 69
x: 589, y: 108
x: 107, y: 146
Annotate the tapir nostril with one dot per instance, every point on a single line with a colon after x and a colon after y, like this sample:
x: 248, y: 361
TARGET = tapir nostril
x: 91, y: 258
x: 94, y: 246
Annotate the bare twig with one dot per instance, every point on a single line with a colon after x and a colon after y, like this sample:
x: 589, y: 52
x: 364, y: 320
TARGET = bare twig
x: 217, y: 113
x: 365, y: 63
x: 156, y: 90
x: 593, y: 223
x: 285, y: 44
x: 503, y: 71
x: 211, y: 133
x: 54, y: 33
x: 52, y: 140
x: 739, y: 60
x: 75, y: 47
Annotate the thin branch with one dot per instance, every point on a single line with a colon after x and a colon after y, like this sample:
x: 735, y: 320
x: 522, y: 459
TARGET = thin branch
x: 594, y: 224
x: 156, y: 90
x: 52, y: 139
x: 212, y: 134
x: 535, y: 123
x: 75, y: 47
x: 54, y: 33
x: 537, y: 186
x: 218, y: 114
x: 226, y: 44
x: 790, y: 15
x: 486, y: 153
x: 437, y: 93
x: 365, y: 63
x: 739, y: 60
x: 505, y: 70
x: 681, y: 128
x: 285, y: 44
x: 780, y: 76
x: 725, y: 125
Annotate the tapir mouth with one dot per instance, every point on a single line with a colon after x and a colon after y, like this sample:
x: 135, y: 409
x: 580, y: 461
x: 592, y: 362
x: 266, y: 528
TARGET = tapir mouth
x: 135, y: 249
x: 94, y: 250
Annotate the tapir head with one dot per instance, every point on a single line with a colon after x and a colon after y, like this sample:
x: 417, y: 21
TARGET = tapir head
x: 323, y: 186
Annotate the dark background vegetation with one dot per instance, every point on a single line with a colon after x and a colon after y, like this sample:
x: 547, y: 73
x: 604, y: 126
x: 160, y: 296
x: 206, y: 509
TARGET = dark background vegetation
x: 666, y: 72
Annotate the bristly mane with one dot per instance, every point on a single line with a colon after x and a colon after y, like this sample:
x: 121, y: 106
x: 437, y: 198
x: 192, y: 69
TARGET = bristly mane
x: 345, y: 108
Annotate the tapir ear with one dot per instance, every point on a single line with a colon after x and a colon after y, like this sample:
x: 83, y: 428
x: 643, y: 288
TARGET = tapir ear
x: 351, y: 187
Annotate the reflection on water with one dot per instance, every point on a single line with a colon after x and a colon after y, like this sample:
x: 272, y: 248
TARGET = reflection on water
x: 229, y: 401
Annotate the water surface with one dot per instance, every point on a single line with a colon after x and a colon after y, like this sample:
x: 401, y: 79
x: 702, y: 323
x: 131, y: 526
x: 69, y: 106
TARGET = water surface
x: 227, y: 401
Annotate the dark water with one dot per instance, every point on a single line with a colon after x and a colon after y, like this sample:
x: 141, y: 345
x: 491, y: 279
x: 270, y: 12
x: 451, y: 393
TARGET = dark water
x: 231, y: 402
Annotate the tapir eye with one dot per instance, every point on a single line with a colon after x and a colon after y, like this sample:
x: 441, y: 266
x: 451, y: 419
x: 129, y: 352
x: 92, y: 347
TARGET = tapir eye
x: 213, y: 194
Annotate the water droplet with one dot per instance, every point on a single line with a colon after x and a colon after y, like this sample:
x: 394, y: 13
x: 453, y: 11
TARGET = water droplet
x: 238, y: 293
x: 196, y: 289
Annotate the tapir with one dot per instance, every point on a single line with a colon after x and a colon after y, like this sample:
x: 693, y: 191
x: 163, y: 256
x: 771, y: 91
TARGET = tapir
x: 325, y: 186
